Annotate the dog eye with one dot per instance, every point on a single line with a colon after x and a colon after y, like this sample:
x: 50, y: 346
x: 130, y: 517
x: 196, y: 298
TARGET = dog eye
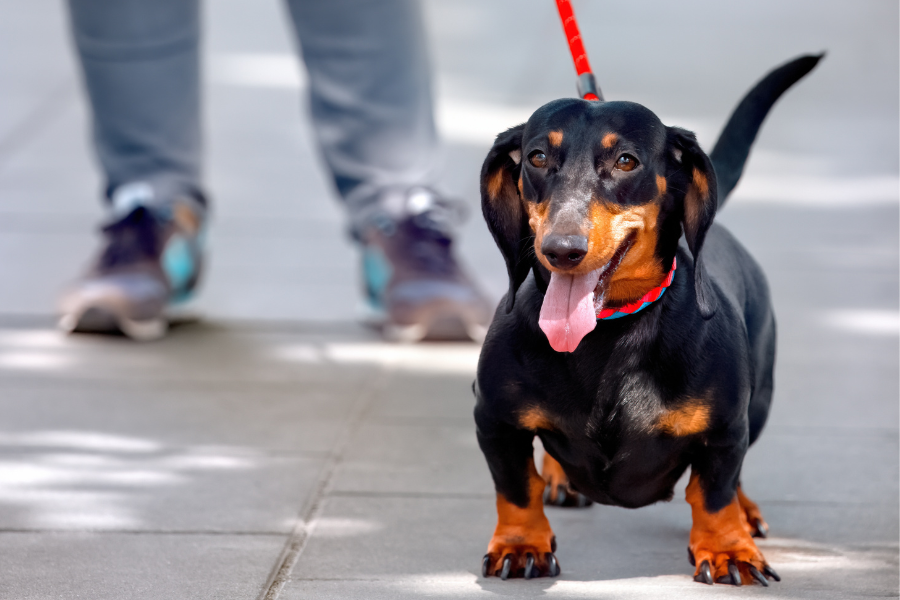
x: 538, y: 159
x: 626, y: 162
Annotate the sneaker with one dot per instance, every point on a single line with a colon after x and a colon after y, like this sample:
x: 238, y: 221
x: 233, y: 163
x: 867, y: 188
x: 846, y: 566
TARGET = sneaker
x: 412, y: 277
x: 151, y: 258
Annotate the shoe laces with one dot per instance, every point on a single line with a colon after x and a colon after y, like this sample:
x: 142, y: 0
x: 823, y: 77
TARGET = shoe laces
x: 132, y: 239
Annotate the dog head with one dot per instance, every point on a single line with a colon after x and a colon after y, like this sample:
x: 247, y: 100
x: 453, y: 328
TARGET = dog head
x: 599, y: 191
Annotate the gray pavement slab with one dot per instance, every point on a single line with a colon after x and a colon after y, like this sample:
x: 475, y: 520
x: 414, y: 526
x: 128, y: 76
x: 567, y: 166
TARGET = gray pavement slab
x: 408, y: 509
x: 116, y: 566
x: 421, y: 398
x: 424, y: 459
x: 61, y: 486
x: 794, y: 464
x: 403, y: 547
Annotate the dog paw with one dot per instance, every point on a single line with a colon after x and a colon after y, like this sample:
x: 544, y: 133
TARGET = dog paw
x: 741, y: 563
x: 558, y: 492
x: 519, y: 565
x: 720, y: 546
x: 520, y: 558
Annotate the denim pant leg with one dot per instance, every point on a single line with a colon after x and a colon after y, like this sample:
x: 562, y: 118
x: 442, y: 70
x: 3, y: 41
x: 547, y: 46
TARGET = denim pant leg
x: 141, y: 67
x: 370, y: 95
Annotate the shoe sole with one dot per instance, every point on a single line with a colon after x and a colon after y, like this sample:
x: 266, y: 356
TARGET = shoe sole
x: 436, y: 325
x: 404, y: 334
x: 94, y: 320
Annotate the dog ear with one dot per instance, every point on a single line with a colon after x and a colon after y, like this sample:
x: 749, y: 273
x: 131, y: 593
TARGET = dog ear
x: 501, y: 204
x: 700, y: 204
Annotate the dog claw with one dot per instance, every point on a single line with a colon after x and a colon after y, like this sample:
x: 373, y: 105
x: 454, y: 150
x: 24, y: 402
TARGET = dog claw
x: 547, y: 498
x: 529, y: 566
x: 507, y: 565
x: 760, y: 529
x: 691, y: 558
x: 583, y: 501
x: 553, y: 563
x: 758, y: 576
x: 705, y: 574
x: 735, y: 574
x: 553, y: 544
x: 485, y: 565
x: 771, y: 573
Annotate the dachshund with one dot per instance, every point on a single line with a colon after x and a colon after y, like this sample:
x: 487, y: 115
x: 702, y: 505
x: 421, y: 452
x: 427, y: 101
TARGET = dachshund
x: 637, y: 338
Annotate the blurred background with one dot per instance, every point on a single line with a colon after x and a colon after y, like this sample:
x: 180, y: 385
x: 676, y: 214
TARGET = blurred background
x: 190, y: 467
x: 830, y: 145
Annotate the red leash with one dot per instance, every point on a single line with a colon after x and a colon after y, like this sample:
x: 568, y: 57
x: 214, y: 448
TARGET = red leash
x: 587, y: 85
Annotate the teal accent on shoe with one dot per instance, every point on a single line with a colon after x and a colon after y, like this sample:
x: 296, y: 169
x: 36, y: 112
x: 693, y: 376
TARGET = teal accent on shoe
x: 377, y: 272
x: 177, y: 262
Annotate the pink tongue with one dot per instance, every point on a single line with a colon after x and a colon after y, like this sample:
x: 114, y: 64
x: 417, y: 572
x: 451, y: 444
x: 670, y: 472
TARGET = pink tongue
x: 567, y: 314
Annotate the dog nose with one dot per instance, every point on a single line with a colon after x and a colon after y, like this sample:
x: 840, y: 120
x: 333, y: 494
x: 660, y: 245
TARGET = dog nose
x: 564, y: 251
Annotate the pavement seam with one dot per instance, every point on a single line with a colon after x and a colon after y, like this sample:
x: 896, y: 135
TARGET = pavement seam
x: 299, y: 537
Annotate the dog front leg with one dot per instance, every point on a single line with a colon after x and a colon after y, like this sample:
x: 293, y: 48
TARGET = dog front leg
x: 721, y: 547
x: 523, y: 542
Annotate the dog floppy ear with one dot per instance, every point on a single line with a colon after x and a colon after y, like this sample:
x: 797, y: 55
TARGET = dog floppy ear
x: 502, y: 206
x: 700, y: 204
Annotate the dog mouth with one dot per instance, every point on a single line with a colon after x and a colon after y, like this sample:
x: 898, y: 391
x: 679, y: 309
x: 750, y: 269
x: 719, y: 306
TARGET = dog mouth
x: 608, y: 270
x: 572, y: 302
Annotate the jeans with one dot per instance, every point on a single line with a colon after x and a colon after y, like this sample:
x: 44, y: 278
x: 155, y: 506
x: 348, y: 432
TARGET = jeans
x: 369, y: 86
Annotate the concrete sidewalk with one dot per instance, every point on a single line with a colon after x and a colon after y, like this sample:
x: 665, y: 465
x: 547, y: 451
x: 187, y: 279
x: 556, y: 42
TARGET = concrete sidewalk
x: 229, y: 459
x: 225, y: 461
x: 278, y: 449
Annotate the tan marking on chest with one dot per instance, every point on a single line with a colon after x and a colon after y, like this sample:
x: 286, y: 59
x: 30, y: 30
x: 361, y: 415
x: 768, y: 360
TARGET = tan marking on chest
x: 535, y: 418
x: 555, y: 137
x: 689, y: 419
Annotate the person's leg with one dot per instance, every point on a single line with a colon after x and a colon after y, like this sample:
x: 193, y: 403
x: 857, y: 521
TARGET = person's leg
x: 370, y: 96
x: 141, y: 70
x: 140, y: 61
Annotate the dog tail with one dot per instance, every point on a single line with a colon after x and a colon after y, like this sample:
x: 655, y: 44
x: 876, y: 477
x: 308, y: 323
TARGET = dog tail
x: 731, y: 150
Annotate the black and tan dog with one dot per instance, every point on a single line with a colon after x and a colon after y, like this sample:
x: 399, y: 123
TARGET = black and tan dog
x: 593, y: 199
